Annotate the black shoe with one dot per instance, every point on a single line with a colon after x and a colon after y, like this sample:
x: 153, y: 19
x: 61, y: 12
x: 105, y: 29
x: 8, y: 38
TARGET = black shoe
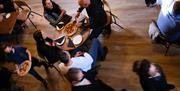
x: 170, y: 86
x: 105, y: 49
x: 45, y: 83
x: 123, y: 90
x: 106, y: 33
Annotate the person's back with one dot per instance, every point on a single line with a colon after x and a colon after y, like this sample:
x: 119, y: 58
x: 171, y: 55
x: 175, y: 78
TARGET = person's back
x: 169, y: 23
x: 52, y: 53
x: 80, y: 82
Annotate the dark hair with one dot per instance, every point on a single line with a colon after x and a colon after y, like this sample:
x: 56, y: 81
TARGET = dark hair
x: 142, y: 67
x: 47, y: 39
x: 176, y: 7
x: 44, y: 3
x: 64, y: 57
x: 72, y: 74
x: 37, y: 35
x: 4, y: 45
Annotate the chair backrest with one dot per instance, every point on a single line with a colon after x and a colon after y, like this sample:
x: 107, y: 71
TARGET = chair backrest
x: 109, y: 18
x: 22, y: 4
x: 25, y: 10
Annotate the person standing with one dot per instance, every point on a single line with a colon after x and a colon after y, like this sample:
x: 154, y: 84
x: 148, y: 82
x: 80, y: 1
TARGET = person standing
x: 97, y: 16
x: 20, y: 54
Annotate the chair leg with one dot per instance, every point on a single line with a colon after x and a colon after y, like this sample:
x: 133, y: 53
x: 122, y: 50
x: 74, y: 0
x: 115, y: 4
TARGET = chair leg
x: 58, y: 71
x: 33, y: 24
x: 36, y: 13
x: 167, y: 48
x: 114, y: 20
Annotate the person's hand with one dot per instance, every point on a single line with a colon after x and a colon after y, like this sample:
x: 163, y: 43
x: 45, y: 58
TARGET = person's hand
x: 77, y: 15
x: 17, y: 69
x: 79, y: 53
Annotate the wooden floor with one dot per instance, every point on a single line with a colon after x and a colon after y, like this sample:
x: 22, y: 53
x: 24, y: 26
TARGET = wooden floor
x: 125, y: 46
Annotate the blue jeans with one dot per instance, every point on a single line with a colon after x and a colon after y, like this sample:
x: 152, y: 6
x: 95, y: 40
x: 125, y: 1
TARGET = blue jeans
x: 96, y: 51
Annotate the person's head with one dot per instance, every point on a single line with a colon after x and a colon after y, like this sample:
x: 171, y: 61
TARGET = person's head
x: 176, y: 7
x: 75, y: 74
x: 65, y: 57
x: 49, y: 41
x: 37, y: 35
x: 47, y: 3
x: 84, y: 3
x: 7, y: 48
x: 145, y: 68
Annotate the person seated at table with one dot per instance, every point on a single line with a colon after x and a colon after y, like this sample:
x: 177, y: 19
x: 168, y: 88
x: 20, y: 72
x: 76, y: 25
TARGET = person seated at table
x: 85, y: 60
x: 55, y: 14
x: 151, y: 76
x: 168, y: 22
x: 81, y: 82
x: 20, y: 54
x: 47, y: 47
x: 97, y: 16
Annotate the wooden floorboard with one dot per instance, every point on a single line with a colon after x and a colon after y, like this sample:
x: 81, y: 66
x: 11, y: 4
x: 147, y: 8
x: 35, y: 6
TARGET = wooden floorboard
x: 125, y: 46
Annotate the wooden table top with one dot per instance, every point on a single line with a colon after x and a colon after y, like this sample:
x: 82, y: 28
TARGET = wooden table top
x: 6, y: 25
x: 84, y: 33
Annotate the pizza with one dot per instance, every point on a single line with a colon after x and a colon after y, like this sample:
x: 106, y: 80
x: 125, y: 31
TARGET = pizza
x: 70, y: 29
x: 24, y: 68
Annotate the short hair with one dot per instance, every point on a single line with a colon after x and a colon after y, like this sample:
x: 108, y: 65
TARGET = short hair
x: 38, y: 37
x: 176, y: 7
x: 64, y: 57
x: 5, y: 45
x: 73, y: 74
x: 142, y: 67
x: 47, y: 39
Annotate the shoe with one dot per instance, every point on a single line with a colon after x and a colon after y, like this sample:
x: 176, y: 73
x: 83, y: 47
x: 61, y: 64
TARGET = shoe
x: 170, y: 86
x: 45, y: 83
x: 123, y: 90
x: 105, y: 49
x: 106, y: 33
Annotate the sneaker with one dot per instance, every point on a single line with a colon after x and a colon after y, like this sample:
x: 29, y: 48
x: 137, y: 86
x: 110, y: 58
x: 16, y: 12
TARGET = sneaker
x: 105, y: 53
x: 170, y: 86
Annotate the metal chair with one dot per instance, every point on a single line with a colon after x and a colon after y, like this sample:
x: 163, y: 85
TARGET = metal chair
x: 25, y: 12
x: 162, y: 39
x: 111, y: 18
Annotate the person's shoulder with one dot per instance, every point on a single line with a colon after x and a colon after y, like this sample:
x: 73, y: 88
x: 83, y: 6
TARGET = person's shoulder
x: 20, y: 48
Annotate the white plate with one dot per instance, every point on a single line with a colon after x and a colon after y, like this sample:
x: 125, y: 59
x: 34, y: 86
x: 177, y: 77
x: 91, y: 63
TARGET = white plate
x: 8, y: 15
x: 61, y: 42
x: 77, y: 39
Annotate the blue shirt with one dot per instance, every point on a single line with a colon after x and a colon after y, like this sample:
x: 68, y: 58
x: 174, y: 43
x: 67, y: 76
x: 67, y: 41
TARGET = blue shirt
x: 169, y: 23
x: 19, y: 55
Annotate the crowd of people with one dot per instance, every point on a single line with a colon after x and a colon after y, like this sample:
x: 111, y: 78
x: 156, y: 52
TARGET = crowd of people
x: 82, y: 66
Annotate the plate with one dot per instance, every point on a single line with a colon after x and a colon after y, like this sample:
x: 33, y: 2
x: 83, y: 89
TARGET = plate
x: 70, y: 29
x: 60, y: 41
x: 8, y: 15
x: 24, y: 68
x: 77, y: 39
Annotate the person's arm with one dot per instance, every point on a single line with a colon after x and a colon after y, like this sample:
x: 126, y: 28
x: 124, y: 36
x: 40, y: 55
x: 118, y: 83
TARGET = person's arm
x: 89, y: 59
x: 29, y: 54
x: 50, y: 18
x: 79, y: 12
x: 60, y: 16
x: 17, y: 68
x: 79, y: 53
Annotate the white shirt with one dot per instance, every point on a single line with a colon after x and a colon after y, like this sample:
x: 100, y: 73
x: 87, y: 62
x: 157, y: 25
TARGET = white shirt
x: 82, y: 62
